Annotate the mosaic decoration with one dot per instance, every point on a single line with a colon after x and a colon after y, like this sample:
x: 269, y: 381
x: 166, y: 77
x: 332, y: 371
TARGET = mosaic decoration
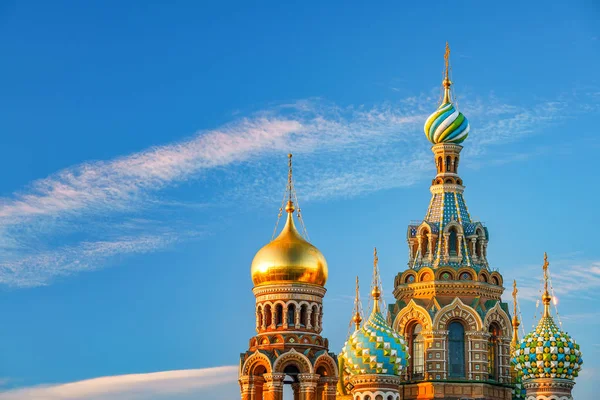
x: 447, y: 125
x: 547, y: 353
x: 375, y: 349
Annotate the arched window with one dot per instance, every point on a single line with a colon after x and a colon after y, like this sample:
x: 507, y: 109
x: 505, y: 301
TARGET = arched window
x: 417, y: 353
x: 448, y: 166
x: 278, y: 314
x: 440, y: 164
x: 303, y: 315
x: 453, y: 242
x: 456, y: 350
x: 291, y: 315
x: 268, y: 315
x: 493, y: 344
x: 425, y: 242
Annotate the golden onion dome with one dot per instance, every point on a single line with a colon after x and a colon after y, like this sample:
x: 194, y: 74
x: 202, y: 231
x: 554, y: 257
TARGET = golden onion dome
x: 289, y: 258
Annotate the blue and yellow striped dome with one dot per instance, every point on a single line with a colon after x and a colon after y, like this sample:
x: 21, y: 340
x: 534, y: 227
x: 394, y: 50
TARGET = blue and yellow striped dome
x: 547, y: 352
x: 447, y: 125
x: 375, y: 349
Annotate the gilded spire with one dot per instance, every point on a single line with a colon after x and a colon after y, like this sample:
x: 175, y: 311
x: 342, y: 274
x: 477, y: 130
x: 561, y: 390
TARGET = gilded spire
x: 357, y: 318
x: 376, y: 292
x: 546, y: 298
x: 446, y: 82
x: 290, y: 187
x: 515, y: 320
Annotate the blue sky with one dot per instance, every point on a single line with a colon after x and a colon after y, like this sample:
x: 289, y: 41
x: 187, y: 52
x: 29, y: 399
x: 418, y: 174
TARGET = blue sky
x: 143, y: 151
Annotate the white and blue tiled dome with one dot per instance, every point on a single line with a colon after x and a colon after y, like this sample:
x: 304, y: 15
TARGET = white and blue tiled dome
x: 547, y: 352
x: 375, y: 349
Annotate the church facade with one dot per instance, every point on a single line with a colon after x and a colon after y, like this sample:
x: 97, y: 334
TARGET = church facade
x: 448, y: 335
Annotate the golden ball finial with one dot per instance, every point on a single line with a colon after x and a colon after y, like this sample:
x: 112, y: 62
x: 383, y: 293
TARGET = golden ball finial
x: 376, y: 293
x: 289, y: 207
x: 357, y: 319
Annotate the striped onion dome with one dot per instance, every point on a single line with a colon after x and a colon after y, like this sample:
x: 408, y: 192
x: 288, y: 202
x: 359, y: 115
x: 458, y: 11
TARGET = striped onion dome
x: 447, y: 125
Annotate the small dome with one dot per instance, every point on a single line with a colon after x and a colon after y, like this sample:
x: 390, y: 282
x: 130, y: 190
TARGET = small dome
x: 547, y: 352
x: 375, y: 349
x: 289, y: 259
x: 447, y: 125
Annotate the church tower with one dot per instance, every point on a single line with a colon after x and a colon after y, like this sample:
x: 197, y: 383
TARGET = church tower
x: 547, y: 360
x: 289, y: 276
x: 448, y: 301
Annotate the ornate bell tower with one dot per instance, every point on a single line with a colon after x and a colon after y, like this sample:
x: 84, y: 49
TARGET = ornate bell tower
x: 448, y: 301
x: 289, y: 276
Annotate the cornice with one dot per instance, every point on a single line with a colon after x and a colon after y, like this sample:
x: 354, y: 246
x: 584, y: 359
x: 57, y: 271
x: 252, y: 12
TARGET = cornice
x: 289, y: 288
x: 449, y: 288
x: 446, y: 187
x: 369, y: 379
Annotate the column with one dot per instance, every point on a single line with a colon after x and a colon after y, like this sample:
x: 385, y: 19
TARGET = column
x: 431, y: 249
x: 473, y: 252
x: 410, y: 251
x: 274, y: 317
x: 420, y: 247
x: 460, y: 244
x: 297, y: 316
x: 296, y: 390
x: 273, y: 387
x: 327, y: 388
x: 309, y: 317
x: 284, y: 318
x: 308, y: 386
x: 446, y: 245
x: 246, y: 387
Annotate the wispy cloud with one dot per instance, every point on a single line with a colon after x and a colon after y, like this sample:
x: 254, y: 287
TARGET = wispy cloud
x: 158, y: 385
x: 345, y: 151
x: 37, y: 269
x: 568, y: 279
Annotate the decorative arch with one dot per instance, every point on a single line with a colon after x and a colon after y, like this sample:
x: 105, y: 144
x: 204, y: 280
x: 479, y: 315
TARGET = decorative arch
x: 457, y: 310
x: 439, y: 274
x: 498, y: 277
x: 410, y: 313
x: 295, y: 358
x: 484, y: 276
x: 326, y: 361
x: 255, y: 360
x: 406, y: 278
x: 453, y: 224
x: 423, y: 272
x: 277, y: 339
x: 461, y: 271
x: 498, y: 315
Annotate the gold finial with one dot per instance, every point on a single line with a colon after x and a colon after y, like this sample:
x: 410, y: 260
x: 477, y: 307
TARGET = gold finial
x: 447, y: 83
x: 357, y: 318
x: 515, y: 319
x: 546, y: 298
x: 290, y: 204
x: 376, y: 292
